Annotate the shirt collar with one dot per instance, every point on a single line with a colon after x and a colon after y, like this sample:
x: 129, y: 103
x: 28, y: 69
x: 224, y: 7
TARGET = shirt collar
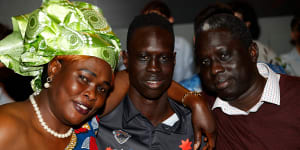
x: 129, y: 110
x: 271, y: 93
x: 171, y: 120
x: 177, y: 121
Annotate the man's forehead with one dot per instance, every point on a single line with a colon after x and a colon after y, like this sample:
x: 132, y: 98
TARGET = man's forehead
x: 156, y: 33
x: 148, y: 29
x: 216, y: 41
x: 214, y: 37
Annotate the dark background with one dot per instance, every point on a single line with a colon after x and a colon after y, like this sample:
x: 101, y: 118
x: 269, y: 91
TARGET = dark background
x: 120, y: 12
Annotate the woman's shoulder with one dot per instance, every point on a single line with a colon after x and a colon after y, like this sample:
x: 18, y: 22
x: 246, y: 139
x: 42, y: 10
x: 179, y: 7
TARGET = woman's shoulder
x: 16, y: 109
x: 12, y: 123
x: 16, y: 113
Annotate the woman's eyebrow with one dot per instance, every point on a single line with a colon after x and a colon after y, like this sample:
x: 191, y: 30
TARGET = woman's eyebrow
x: 88, y: 71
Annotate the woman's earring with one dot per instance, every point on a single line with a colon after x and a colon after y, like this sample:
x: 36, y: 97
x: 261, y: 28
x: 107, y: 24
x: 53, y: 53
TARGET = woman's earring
x: 47, y: 84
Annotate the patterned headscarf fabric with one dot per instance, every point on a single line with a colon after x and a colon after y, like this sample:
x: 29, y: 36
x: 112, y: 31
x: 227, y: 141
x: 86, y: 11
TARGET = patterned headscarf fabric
x: 58, y: 27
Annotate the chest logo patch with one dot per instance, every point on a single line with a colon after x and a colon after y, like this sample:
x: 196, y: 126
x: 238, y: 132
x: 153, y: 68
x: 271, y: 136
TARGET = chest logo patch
x: 186, y: 144
x: 121, y: 136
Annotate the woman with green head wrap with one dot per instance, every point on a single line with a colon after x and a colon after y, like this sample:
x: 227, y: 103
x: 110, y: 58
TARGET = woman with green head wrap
x: 71, y: 51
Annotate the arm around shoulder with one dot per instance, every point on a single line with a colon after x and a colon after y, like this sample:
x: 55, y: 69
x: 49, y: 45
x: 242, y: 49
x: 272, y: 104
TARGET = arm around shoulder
x: 202, y: 117
x: 121, y: 86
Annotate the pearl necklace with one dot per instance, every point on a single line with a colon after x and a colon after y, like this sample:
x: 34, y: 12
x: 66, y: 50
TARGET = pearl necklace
x: 43, y: 123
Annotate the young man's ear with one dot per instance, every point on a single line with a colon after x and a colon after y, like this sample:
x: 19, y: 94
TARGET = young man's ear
x: 253, y: 50
x: 54, y: 66
x: 124, y: 55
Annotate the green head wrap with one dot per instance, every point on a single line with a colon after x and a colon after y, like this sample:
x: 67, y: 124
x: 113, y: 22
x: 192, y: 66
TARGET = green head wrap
x: 58, y: 27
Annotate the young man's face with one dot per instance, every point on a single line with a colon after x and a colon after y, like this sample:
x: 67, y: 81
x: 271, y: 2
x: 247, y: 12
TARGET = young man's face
x: 150, y: 61
x: 226, y: 66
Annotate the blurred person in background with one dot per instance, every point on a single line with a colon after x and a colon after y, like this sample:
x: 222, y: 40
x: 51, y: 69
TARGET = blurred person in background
x: 292, y: 58
x: 247, y: 14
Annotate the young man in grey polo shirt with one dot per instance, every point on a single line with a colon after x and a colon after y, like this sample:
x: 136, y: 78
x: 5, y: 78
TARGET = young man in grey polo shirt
x: 147, y: 118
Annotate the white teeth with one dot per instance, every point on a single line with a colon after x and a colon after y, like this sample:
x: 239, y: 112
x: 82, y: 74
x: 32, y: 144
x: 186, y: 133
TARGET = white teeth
x: 82, y: 106
x: 153, y: 84
x: 221, y: 80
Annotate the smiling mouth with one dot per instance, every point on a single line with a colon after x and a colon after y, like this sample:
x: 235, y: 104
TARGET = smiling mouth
x: 154, y: 84
x: 81, y: 108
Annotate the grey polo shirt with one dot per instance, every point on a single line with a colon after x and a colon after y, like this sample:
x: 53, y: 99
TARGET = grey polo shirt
x: 125, y: 128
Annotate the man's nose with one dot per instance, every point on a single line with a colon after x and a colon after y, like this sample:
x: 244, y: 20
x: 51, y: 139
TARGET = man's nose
x: 216, y: 67
x: 153, y: 65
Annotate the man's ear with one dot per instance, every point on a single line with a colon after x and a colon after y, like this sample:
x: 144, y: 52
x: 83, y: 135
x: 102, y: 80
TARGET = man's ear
x: 54, y: 67
x: 171, y: 20
x: 253, y: 51
x: 125, y: 58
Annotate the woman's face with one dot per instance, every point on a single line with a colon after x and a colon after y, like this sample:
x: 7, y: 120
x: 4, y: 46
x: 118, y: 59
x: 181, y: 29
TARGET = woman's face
x: 79, y: 88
